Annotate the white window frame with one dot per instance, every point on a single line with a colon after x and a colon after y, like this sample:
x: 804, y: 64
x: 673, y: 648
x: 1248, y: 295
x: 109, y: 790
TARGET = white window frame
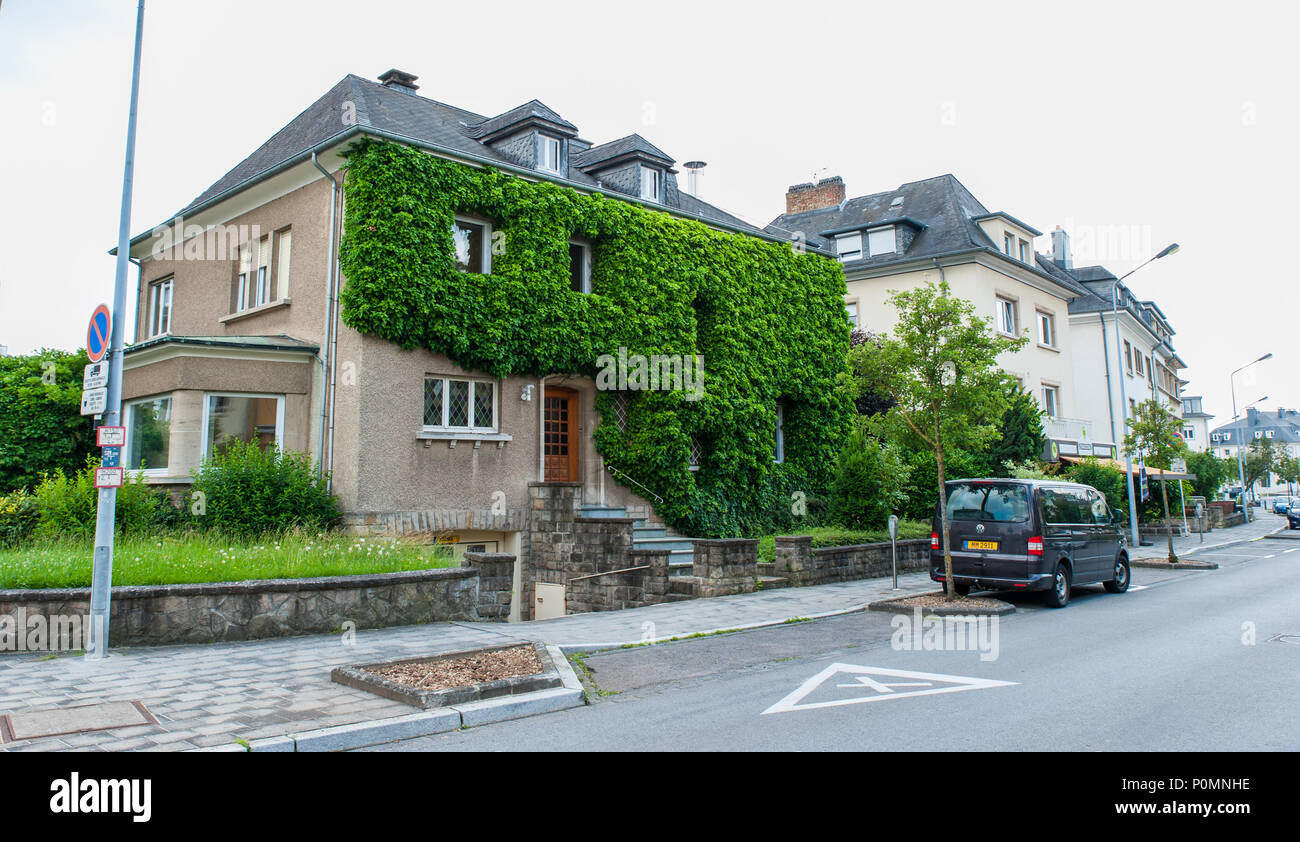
x: 128, y: 418
x: 1003, y: 303
x: 474, y: 385
x: 585, y: 280
x: 1008, y: 242
x: 283, y: 253
x: 485, y: 264
x: 779, y: 456
x: 158, y: 324
x: 853, y: 314
x: 875, y: 235
x: 1024, y: 249
x: 207, y: 406
x: 544, y: 143
x: 656, y: 179
x: 854, y: 252
x: 1046, y: 338
x: 1053, y: 411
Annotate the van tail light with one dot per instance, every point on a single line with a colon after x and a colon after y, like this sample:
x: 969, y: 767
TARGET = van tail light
x: 934, y: 541
x: 1035, y: 546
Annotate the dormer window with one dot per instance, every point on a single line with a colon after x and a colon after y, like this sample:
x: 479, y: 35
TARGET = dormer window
x: 881, y: 241
x: 849, y: 246
x: 1008, y: 244
x: 651, y: 184
x: 1024, y: 251
x: 548, y: 154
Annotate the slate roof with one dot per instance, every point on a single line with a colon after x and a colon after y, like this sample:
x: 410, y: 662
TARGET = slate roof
x: 633, y: 144
x: 1285, y: 424
x: 418, y: 120
x: 943, y: 211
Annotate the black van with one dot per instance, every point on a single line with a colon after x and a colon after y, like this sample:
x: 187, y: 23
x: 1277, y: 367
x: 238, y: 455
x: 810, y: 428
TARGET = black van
x: 1037, y: 535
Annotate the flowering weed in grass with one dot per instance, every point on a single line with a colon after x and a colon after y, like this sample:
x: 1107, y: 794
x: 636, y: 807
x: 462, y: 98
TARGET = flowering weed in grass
x: 207, y: 557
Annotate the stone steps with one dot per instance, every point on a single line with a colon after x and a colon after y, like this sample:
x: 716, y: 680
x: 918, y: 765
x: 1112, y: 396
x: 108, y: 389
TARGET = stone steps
x: 652, y: 535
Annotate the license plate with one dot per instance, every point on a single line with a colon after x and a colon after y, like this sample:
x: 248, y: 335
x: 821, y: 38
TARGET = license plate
x: 981, y: 545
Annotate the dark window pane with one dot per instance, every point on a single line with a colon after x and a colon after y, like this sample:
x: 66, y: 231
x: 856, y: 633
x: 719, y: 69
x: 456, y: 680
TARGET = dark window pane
x: 1000, y: 502
x: 433, y: 402
x: 150, y: 434
x: 483, y: 404
x: 233, y: 418
x: 578, y: 268
x: 458, y: 403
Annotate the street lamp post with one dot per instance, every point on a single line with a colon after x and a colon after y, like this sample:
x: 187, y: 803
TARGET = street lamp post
x: 1123, y: 392
x: 1241, y: 462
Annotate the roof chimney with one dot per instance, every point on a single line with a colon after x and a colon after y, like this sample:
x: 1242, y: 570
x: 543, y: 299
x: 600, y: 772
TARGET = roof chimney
x: 808, y: 197
x: 1061, y: 255
x: 400, y: 80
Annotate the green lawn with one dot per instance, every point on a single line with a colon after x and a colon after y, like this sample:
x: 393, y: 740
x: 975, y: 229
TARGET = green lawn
x: 204, y: 557
x: 835, y: 536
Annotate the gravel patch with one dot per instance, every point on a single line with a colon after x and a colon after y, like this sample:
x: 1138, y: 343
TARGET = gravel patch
x: 476, y: 668
x: 937, y: 603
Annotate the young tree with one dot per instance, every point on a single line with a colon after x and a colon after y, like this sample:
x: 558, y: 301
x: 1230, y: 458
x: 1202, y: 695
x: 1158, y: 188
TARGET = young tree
x: 939, y: 367
x: 1211, y: 472
x: 1154, y: 435
x: 1260, y: 461
x: 1287, y: 468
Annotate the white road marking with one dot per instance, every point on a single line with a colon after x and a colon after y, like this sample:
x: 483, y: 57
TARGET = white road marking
x: 884, y: 691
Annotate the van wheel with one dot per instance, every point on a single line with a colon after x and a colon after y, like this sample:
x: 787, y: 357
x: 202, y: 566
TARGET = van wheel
x: 1059, y: 595
x: 1119, y: 584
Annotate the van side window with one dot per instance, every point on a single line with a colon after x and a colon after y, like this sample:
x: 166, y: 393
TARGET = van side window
x: 1060, y: 506
x: 1100, y: 511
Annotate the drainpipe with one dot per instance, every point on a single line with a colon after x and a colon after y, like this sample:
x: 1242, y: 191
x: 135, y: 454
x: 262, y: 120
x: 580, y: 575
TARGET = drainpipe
x: 1110, y: 399
x: 326, y: 457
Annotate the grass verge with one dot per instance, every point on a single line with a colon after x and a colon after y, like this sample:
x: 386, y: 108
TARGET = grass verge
x: 206, y: 557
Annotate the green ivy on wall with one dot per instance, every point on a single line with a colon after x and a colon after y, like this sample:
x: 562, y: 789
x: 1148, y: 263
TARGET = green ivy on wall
x: 769, y: 323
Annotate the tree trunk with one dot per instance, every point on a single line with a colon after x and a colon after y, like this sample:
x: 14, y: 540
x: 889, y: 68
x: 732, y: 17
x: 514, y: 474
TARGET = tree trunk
x: 949, y: 587
x: 1169, y: 529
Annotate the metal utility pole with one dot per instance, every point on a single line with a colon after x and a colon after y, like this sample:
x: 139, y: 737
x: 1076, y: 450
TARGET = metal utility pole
x: 1123, y: 392
x: 1241, y: 463
x: 101, y: 586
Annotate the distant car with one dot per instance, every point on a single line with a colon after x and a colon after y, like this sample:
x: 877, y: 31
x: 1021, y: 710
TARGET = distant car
x: 1037, y: 535
x: 1293, y: 516
x: 1282, y: 504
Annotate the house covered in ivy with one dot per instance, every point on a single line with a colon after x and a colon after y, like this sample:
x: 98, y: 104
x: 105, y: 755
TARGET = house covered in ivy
x: 446, y: 309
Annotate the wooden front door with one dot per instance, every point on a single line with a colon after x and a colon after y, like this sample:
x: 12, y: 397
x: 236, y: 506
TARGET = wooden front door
x: 560, y: 435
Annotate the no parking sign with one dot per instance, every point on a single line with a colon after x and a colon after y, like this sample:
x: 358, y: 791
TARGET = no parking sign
x: 99, y: 333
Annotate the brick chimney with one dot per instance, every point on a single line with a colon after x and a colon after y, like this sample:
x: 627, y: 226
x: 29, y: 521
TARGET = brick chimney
x: 807, y: 197
x: 400, y: 80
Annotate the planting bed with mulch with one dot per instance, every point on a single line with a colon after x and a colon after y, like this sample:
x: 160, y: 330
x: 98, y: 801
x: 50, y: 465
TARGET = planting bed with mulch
x: 937, y: 603
x: 1163, y: 564
x: 456, y: 677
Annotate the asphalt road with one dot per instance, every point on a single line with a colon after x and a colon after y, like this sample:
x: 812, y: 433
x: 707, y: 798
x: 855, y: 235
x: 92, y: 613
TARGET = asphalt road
x: 1183, y: 661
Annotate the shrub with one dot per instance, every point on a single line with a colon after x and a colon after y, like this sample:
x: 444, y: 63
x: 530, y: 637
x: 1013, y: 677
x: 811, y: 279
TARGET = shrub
x: 869, y: 484
x: 19, y: 514
x: 247, y: 491
x: 68, y: 506
x: 923, y: 482
x: 41, y: 425
x: 1106, y: 479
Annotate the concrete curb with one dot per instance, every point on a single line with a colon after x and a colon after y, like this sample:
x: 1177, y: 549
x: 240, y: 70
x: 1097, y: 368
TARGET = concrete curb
x: 1152, y: 564
x: 426, y: 723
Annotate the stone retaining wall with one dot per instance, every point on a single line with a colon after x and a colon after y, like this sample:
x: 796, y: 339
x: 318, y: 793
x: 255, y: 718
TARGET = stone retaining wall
x: 226, y: 611
x: 798, y: 562
x: 645, y: 583
x: 496, y: 583
x: 725, y: 566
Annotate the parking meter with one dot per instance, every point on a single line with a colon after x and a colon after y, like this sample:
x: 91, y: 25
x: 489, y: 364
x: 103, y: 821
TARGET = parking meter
x: 893, y: 545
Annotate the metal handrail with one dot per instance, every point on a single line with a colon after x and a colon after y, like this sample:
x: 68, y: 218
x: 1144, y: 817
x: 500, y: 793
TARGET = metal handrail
x: 619, y: 473
x: 609, y: 573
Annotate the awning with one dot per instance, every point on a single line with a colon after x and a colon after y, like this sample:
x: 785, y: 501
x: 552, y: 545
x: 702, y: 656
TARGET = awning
x: 1152, y: 473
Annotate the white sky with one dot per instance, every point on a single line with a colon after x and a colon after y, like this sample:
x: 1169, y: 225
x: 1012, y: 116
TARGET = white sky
x: 1131, y: 124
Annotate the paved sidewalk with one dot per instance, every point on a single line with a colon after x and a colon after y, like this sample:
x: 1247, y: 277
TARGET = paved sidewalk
x: 1188, y: 545
x: 210, y: 695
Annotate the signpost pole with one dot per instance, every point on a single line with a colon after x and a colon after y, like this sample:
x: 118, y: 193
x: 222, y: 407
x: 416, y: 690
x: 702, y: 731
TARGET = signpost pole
x: 102, y: 573
x: 893, y: 546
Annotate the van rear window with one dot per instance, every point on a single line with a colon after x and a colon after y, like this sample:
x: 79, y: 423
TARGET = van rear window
x: 988, y: 501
